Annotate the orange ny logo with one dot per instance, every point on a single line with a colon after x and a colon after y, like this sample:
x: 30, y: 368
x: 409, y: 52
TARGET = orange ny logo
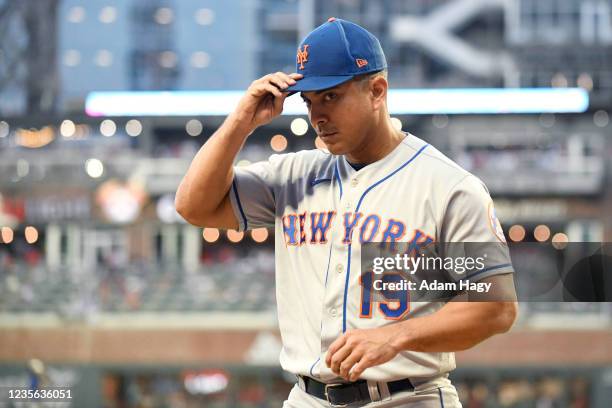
x: 302, y: 56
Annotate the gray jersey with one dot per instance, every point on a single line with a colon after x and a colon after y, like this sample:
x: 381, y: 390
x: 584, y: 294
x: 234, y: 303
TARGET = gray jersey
x: 323, y: 210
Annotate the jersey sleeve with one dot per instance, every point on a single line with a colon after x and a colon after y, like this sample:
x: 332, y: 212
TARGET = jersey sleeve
x: 470, y: 229
x: 252, y: 194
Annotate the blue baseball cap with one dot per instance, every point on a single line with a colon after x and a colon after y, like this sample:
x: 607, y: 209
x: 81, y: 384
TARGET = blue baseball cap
x: 334, y: 53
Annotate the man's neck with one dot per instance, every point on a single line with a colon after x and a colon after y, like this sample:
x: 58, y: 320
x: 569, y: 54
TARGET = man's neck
x: 378, y: 146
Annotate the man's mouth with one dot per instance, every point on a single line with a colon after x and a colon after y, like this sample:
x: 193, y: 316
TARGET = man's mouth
x: 327, y: 134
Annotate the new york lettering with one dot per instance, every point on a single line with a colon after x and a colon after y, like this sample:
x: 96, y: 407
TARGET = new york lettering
x: 313, y: 228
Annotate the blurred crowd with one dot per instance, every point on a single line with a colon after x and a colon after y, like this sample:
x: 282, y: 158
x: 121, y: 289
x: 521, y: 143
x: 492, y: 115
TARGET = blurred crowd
x: 252, y: 391
x: 546, y: 392
x: 119, y: 285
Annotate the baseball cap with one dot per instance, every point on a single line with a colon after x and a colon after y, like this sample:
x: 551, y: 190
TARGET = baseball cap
x: 334, y: 53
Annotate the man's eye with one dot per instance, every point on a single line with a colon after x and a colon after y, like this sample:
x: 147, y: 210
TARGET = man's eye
x: 330, y: 96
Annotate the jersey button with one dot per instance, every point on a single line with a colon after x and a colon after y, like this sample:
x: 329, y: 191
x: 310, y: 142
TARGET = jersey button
x: 333, y: 312
x: 339, y: 268
x: 348, y: 206
x: 354, y: 182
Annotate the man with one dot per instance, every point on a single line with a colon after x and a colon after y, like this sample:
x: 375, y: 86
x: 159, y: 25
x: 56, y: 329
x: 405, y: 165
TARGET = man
x: 374, y: 183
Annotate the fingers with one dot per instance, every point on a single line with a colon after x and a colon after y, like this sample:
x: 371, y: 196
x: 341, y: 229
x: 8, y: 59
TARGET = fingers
x: 339, y: 357
x: 357, y: 350
x: 264, y: 99
x: 273, y: 90
x: 348, y: 363
x: 281, y: 80
x: 274, y: 84
x: 333, y: 348
x: 359, y: 368
x: 278, y: 103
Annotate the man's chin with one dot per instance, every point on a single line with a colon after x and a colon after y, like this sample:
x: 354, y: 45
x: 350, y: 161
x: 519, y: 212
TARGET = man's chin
x: 335, y: 149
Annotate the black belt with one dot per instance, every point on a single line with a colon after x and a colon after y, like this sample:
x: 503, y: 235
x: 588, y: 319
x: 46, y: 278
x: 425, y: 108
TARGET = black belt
x: 341, y: 394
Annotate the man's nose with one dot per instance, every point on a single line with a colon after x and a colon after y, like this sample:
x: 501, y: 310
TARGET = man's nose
x: 318, y: 118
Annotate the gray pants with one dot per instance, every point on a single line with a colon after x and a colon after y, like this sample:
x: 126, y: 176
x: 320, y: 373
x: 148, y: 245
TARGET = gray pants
x: 435, y: 393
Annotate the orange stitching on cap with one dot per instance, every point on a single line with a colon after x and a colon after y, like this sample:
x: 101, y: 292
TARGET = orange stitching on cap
x: 302, y: 56
x: 361, y: 62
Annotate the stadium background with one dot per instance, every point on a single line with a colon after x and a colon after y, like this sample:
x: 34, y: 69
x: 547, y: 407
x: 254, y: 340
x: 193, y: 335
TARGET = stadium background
x: 103, y: 288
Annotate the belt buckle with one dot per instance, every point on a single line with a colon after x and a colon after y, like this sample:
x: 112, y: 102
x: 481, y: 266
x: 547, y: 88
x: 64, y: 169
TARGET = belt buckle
x: 327, y: 395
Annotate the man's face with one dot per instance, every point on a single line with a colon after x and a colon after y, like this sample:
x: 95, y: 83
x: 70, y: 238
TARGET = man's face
x: 341, y: 115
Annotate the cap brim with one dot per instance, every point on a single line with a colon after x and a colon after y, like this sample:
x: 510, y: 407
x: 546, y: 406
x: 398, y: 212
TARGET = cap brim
x: 318, y: 83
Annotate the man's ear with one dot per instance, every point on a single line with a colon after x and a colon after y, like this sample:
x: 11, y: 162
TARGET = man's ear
x: 378, y: 91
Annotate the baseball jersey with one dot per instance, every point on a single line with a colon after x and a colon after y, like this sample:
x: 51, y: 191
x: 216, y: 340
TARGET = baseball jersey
x: 323, y: 210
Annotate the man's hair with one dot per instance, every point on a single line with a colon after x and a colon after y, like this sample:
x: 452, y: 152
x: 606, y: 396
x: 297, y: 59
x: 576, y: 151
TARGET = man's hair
x: 371, y: 75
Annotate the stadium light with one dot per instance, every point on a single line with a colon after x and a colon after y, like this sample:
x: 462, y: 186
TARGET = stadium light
x: 517, y: 233
x: 440, y: 121
x: 400, y: 102
x: 94, y: 168
x: 108, y: 15
x: 541, y: 233
x: 194, y: 127
x: 278, y: 143
x: 6, y: 233
x: 210, y: 234
x: 601, y: 118
x: 67, y: 128
x: 560, y: 240
x: 108, y: 128
x: 299, y: 126
x: 72, y: 58
x: 585, y: 81
x: 164, y: 16
x: 31, y: 234
x: 397, y: 123
x: 4, y: 129
x: 204, y: 16
x: 259, y: 235
x: 103, y: 58
x: 76, y: 14
x: 235, y: 236
x: 133, y: 127
x: 23, y: 168
x: 200, y: 59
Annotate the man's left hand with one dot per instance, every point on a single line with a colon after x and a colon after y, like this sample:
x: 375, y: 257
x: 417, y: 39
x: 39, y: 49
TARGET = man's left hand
x: 350, y: 354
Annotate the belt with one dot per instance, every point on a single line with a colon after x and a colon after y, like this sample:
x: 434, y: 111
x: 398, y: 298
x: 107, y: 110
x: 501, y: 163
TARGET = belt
x: 343, y: 394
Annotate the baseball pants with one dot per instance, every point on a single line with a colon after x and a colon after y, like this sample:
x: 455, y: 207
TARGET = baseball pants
x: 437, y: 393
